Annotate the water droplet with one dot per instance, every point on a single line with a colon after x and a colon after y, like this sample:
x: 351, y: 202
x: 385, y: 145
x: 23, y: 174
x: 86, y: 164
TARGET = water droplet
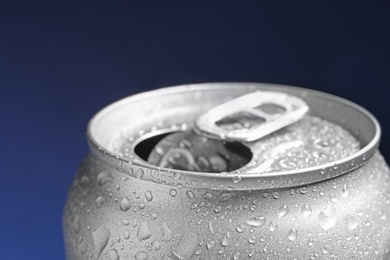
x: 256, y: 222
x: 156, y: 245
x: 236, y: 179
x: 236, y: 255
x: 210, y: 245
x: 99, y: 201
x: 166, y: 257
x: 141, y: 255
x: 327, y: 217
x: 283, y: 210
x: 382, y: 215
x: 198, y: 251
x: 104, y: 177
x: 252, y: 240
x: 351, y: 222
x: 344, y: 191
x: 324, y: 250
x: 287, y: 164
x: 176, y: 175
x: 189, y: 194
x: 240, y: 228
x: 81, y: 245
x: 306, y: 211
x: 125, y: 204
x: 76, y: 224
x: 207, y: 195
x: 113, y: 254
x: 272, y: 226
x: 100, y: 239
x: 160, y: 151
x: 166, y: 232
x: 173, y: 193
x: 144, y: 231
x: 322, y: 171
x: 266, y: 247
x: 186, y: 247
x: 226, y: 240
x: 211, y: 228
x: 226, y: 196
x: 217, y: 209
x: 320, y: 143
x: 127, y: 235
x: 149, y: 196
x: 139, y: 173
x: 333, y: 198
x: 275, y: 195
x: 292, y: 234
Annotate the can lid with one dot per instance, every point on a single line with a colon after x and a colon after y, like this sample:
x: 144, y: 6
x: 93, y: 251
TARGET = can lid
x: 141, y: 111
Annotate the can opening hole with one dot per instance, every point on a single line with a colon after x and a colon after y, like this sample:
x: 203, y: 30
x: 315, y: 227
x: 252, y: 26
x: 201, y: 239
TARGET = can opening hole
x: 191, y: 152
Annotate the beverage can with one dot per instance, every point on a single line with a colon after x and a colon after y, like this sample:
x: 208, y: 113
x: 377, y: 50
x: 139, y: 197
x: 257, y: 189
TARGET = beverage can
x: 230, y: 171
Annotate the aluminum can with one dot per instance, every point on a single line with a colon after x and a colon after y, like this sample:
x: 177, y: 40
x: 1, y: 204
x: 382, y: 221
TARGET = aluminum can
x: 122, y: 207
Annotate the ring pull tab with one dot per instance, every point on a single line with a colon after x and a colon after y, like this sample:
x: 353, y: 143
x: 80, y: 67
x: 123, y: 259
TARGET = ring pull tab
x: 252, y: 116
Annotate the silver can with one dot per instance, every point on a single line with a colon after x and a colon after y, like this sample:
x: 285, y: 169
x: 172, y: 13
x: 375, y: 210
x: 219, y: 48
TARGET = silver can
x: 184, y: 173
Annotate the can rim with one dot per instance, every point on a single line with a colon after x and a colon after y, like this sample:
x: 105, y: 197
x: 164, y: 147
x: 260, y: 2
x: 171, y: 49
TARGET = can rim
x: 245, y: 181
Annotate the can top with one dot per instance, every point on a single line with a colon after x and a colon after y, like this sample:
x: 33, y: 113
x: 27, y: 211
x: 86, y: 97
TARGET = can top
x: 174, y: 109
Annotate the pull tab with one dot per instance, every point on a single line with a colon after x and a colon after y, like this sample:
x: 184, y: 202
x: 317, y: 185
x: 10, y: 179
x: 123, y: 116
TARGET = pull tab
x: 252, y: 116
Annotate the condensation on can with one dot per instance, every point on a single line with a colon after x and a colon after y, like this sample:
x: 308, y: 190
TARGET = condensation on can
x: 121, y: 207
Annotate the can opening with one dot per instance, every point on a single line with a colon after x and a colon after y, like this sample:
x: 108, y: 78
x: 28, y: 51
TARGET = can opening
x: 191, y: 152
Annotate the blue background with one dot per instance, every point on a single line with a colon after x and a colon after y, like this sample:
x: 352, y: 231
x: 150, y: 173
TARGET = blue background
x: 62, y: 61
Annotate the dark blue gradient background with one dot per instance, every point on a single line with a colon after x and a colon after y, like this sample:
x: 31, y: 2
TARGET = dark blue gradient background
x: 60, y: 62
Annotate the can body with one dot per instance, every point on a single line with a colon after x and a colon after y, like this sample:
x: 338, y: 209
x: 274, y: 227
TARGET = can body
x: 126, y: 210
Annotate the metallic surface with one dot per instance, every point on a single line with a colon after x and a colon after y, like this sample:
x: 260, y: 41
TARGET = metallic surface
x: 123, y: 208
